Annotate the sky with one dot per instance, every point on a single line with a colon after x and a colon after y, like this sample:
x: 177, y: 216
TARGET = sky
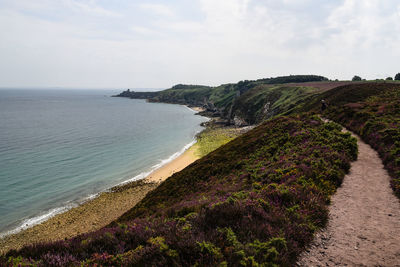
x: 156, y: 44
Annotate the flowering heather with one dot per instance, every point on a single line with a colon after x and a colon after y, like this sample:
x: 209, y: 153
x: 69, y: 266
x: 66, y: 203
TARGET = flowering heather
x: 372, y: 111
x: 255, y: 201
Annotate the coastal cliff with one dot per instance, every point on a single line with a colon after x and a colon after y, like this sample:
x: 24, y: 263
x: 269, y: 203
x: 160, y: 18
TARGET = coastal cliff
x: 257, y: 200
x: 244, y: 103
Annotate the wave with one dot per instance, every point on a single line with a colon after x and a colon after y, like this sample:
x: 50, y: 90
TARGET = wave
x: 159, y: 165
x: 194, y: 111
x: 27, y: 223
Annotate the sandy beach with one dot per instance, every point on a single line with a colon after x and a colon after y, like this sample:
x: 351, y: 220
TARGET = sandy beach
x: 197, y: 109
x: 98, y: 212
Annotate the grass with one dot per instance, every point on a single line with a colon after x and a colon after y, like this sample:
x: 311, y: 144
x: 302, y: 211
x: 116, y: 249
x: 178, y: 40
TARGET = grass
x: 212, y: 138
x: 227, y: 101
x: 372, y: 110
x: 255, y: 201
x: 265, y: 101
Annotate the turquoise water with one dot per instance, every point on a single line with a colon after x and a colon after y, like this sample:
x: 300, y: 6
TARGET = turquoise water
x: 60, y: 147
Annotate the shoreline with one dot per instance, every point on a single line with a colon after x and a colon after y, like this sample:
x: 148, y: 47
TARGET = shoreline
x: 196, y: 109
x: 99, y: 211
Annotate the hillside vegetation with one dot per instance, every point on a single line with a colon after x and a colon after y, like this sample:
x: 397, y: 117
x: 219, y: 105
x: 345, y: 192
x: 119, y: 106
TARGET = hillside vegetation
x: 265, y: 101
x: 372, y: 110
x: 256, y: 200
x: 231, y: 101
x: 213, y: 137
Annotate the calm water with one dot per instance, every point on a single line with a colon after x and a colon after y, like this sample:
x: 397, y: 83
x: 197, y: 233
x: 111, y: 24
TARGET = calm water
x: 59, y: 147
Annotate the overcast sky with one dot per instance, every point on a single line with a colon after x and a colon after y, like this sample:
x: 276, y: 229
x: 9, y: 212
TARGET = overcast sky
x: 133, y: 44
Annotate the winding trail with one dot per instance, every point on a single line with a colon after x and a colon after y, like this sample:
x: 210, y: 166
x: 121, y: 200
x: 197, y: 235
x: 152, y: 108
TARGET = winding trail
x: 364, y: 219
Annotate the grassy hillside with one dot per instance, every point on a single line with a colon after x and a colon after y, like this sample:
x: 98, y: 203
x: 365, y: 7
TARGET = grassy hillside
x: 265, y: 101
x: 191, y: 96
x: 247, y: 102
x: 225, y: 100
x: 372, y: 110
x: 256, y: 200
x: 213, y: 137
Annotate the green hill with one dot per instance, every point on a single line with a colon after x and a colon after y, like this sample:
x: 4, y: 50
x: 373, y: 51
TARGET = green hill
x: 372, y: 110
x: 229, y: 100
x: 256, y: 201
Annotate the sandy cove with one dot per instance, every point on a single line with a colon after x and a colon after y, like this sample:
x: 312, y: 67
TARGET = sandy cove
x: 98, y: 212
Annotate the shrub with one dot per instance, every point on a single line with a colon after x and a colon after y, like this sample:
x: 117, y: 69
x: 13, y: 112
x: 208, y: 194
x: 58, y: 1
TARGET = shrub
x: 372, y: 111
x: 254, y: 201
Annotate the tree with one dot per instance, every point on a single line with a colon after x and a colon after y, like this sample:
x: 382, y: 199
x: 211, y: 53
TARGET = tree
x: 397, y: 77
x: 356, y: 78
x: 389, y: 79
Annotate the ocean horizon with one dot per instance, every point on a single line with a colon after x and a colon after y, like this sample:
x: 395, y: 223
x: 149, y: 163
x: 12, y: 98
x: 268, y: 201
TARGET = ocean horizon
x: 60, y: 148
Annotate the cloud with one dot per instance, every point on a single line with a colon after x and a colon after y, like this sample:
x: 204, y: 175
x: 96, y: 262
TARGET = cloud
x: 144, y: 30
x: 89, y: 43
x: 90, y: 7
x: 306, y: 36
x: 158, y: 9
x: 45, y: 8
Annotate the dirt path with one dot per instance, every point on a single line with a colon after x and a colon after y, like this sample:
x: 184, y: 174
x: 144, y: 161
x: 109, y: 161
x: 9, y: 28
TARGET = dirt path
x: 364, y: 219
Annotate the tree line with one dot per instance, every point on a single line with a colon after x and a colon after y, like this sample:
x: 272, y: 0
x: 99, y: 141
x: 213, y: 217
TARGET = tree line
x: 396, y: 78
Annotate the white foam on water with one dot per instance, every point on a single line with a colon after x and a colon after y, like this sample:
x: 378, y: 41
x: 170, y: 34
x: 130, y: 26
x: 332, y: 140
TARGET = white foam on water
x: 161, y: 164
x: 27, y: 223
x: 194, y: 111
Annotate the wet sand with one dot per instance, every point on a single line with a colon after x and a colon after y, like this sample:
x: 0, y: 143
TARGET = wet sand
x: 197, y: 109
x: 174, y: 166
x: 98, y: 212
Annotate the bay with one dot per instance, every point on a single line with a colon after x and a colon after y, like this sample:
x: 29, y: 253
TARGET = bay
x: 61, y: 147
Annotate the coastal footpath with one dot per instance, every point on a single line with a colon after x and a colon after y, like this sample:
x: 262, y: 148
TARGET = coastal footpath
x: 261, y: 198
x: 363, y: 227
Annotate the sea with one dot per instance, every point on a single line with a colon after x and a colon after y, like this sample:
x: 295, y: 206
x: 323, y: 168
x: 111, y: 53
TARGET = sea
x: 60, y: 148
